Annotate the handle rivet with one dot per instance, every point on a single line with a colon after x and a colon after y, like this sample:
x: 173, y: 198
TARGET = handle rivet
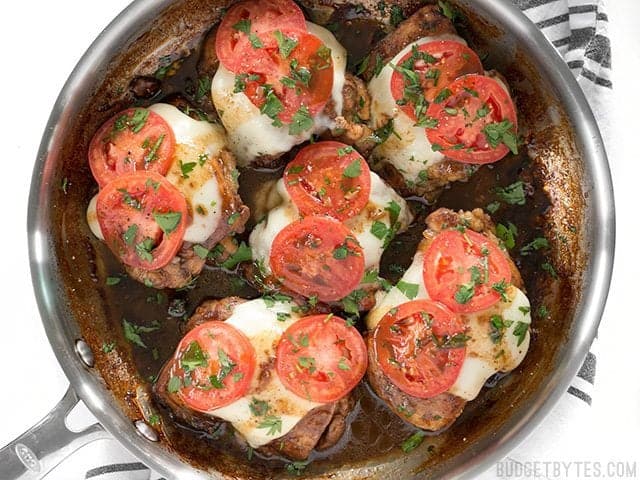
x: 146, y: 430
x: 85, y: 353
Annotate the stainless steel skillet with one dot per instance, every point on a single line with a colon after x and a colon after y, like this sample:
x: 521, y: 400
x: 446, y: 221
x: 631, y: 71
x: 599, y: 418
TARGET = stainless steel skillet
x: 569, y: 158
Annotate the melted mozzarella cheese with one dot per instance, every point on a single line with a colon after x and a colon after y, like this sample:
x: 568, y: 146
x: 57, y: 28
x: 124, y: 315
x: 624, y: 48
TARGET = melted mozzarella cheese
x: 251, y: 134
x: 261, y: 325
x: 92, y: 218
x: 286, y: 213
x: 198, y: 142
x: 410, y: 150
x: 484, y: 357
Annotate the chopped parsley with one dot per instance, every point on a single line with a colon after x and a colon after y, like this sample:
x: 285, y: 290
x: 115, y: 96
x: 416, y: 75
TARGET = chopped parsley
x: 520, y: 331
x: 448, y: 10
x: 342, y: 152
x: 301, y: 121
x: 201, y: 251
x: 513, y: 194
x: 272, y: 423
x: 296, y: 468
x: 193, y: 357
x: 226, y: 366
x: 270, y: 300
x: 111, y: 281
x: 492, y: 207
x: 132, y: 332
x: 465, y: 293
x: 382, y: 134
x: 153, y: 152
x: 174, y: 384
x: 498, y: 325
x: 272, y: 107
x: 442, y: 96
x: 168, y: 221
x: 501, y: 132
x: 379, y: 230
x: 547, y: 267
x: 300, y: 74
x: 536, y: 244
x: 108, y: 347
x: 353, y: 170
x: 187, y: 168
x: 446, y: 342
x: 242, y: 254
x: 285, y: 44
x: 127, y: 199
x: 501, y: 288
x: 379, y: 65
x: 143, y: 249
x: 410, y: 290
x: 413, y: 442
x: 204, y: 87
x: 396, y: 16
x: 507, y: 234
x: 243, y: 26
x: 343, y: 365
x: 259, y: 408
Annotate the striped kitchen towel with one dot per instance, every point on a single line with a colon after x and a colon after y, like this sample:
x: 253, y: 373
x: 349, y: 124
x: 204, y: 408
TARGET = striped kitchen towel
x: 578, y: 30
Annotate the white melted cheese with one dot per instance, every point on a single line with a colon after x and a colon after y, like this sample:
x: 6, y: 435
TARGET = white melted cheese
x: 251, y: 134
x: 410, y: 151
x: 92, y: 218
x: 261, y: 325
x: 483, y: 357
x: 286, y: 213
x: 199, y: 142
x: 195, y: 141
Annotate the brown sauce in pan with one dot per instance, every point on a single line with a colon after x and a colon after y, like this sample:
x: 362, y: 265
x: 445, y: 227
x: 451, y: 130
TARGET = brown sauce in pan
x: 373, y: 430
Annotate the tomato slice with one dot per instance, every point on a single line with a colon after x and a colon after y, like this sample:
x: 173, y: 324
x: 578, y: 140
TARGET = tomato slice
x: 320, y: 358
x: 213, y: 366
x: 329, y: 178
x: 318, y: 256
x: 290, y: 73
x: 143, y: 219
x: 135, y: 139
x: 253, y: 16
x: 426, y: 70
x: 420, y: 347
x: 474, y: 122
x: 465, y: 271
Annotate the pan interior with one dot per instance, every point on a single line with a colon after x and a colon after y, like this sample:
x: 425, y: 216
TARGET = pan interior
x: 85, y: 307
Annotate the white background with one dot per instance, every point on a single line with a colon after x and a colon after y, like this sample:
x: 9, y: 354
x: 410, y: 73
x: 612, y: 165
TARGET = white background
x: 41, y: 42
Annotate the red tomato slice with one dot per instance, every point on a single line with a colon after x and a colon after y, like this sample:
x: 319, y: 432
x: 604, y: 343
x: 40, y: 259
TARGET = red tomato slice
x: 420, y: 347
x: 318, y: 256
x: 436, y: 64
x: 329, y: 178
x: 253, y: 16
x: 213, y: 366
x: 320, y: 358
x: 465, y: 271
x: 135, y: 139
x: 290, y: 71
x: 143, y: 219
x: 475, y: 121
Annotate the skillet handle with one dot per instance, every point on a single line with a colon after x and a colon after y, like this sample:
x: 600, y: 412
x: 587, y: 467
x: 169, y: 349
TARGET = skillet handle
x: 35, y: 453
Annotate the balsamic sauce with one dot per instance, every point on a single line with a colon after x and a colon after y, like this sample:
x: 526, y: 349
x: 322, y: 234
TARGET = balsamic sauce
x: 373, y: 429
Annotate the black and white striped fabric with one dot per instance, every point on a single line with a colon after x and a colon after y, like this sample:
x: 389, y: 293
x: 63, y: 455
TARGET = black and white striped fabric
x: 578, y: 30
